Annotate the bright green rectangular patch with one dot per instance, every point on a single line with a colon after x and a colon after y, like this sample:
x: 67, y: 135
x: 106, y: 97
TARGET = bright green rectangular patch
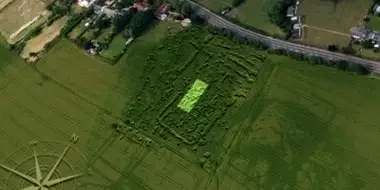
x: 192, y: 96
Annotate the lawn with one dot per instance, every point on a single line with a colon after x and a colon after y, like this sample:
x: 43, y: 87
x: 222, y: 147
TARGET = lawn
x: 115, y: 47
x: 255, y: 13
x: 374, y: 23
x: 327, y: 15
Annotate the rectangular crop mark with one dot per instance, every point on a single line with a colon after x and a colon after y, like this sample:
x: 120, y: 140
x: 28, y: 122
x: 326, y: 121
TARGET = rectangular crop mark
x: 192, y: 96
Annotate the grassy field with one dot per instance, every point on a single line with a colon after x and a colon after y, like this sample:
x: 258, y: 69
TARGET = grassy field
x: 263, y: 122
x: 115, y: 47
x: 69, y: 92
x: 215, y: 5
x: 287, y: 124
x: 255, y: 13
x: 374, y: 23
x: 329, y: 16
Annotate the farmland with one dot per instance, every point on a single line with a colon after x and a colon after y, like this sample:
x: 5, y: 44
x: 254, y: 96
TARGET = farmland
x: 328, y: 22
x: 260, y: 121
x: 278, y: 123
x: 55, y: 102
x: 25, y: 15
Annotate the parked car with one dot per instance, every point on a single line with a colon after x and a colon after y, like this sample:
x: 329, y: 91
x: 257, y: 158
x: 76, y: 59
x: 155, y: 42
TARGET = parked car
x: 226, y: 10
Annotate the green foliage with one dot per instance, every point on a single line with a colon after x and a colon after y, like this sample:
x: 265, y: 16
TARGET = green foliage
x: 73, y: 20
x: 236, y: 3
x: 171, y: 68
x: 120, y: 22
x: 141, y: 21
x: 36, y: 31
x: 277, y: 14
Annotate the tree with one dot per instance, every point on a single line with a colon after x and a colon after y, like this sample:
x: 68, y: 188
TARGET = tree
x: 121, y: 21
x: 236, y: 3
x: 332, y: 47
x: 359, y: 69
x: 367, y: 44
x: 348, y: 50
x: 102, y: 23
x: 141, y: 21
x: 342, y: 65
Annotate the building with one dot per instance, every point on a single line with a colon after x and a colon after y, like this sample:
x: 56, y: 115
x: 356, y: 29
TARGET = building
x: 374, y: 37
x: 85, y: 3
x: 297, y: 31
x: 360, y: 33
x: 106, y: 11
x: 161, y: 12
x: 141, y: 6
x: 290, y: 12
x: 376, y: 9
x: 186, y: 22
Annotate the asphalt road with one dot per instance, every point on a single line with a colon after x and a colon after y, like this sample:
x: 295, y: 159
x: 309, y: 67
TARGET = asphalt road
x: 220, y: 22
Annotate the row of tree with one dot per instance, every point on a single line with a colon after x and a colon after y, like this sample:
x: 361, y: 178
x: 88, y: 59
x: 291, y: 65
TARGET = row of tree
x: 339, y: 64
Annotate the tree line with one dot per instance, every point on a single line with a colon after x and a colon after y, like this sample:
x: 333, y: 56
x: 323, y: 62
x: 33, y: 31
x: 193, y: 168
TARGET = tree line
x: 339, y: 64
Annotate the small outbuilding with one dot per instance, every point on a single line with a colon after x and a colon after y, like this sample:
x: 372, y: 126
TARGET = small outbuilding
x: 186, y: 22
x: 290, y: 11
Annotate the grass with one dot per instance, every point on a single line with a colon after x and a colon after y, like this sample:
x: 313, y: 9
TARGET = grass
x: 115, y: 47
x: 255, y: 13
x: 264, y: 122
x: 305, y: 128
x: 215, y: 5
x: 337, y: 17
x: 192, y: 96
x: 374, y: 23
x: 78, y: 30
x: 69, y: 92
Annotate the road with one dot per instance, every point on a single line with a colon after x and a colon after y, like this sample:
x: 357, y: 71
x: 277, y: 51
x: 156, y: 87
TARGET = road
x: 273, y: 43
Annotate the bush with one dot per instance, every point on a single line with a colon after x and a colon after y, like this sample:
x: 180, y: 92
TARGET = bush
x: 236, y: 3
x: 36, y: 31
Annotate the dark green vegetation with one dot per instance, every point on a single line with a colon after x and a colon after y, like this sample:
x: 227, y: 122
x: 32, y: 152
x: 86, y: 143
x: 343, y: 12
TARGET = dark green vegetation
x: 265, y: 121
x: 169, y: 72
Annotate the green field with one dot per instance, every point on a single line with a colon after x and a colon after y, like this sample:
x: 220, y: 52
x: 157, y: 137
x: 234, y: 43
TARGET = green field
x: 255, y: 13
x: 374, y: 23
x: 264, y: 121
x: 115, y: 47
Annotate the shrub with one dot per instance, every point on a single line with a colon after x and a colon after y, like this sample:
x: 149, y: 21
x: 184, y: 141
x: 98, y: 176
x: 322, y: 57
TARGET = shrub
x: 236, y: 3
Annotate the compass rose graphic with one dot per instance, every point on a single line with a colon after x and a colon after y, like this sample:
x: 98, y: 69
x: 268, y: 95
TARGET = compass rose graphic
x: 43, y: 180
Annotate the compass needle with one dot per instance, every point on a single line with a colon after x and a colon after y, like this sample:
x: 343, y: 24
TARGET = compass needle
x: 38, y: 170
x: 61, y: 180
x: 26, y: 177
x: 47, y: 178
x: 31, y: 188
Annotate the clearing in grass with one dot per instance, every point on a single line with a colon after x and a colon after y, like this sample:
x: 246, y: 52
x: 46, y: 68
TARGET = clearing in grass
x: 192, y: 96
